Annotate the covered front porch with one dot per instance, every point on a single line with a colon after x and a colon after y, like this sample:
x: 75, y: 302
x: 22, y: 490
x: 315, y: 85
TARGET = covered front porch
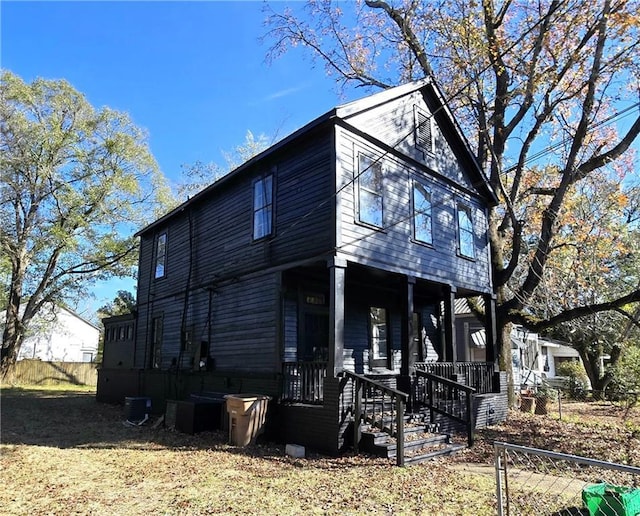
x: 361, y: 341
x: 303, y: 382
x: 341, y: 316
x: 369, y: 320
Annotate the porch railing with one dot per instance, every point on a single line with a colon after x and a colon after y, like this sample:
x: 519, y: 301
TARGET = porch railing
x: 303, y: 382
x: 479, y: 375
x: 446, y: 397
x: 376, y: 404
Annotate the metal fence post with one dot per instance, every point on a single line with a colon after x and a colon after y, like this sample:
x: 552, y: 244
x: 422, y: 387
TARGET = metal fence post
x: 499, y: 477
x: 560, y: 403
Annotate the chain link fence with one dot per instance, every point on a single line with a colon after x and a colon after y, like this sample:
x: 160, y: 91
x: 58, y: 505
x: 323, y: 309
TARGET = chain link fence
x: 531, y: 481
x: 569, y: 401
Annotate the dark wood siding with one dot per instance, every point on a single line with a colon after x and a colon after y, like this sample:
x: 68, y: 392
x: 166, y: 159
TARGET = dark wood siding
x: 210, y: 249
x: 244, y: 324
x: 394, y: 124
x: 393, y: 248
x: 235, y: 320
x: 214, y: 235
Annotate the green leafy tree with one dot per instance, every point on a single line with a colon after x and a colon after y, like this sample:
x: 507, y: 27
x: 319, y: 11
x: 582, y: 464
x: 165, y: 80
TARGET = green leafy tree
x: 75, y: 183
x: 594, y: 259
x: 540, y: 89
x: 627, y: 375
x: 123, y: 303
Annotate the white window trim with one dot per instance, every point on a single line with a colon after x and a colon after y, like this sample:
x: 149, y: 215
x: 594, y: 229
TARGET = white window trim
x: 462, y: 206
x: 266, y: 206
x: 415, y: 212
x: 372, y: 162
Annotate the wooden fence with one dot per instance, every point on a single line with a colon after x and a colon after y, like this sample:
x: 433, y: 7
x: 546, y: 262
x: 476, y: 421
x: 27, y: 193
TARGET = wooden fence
x: 38, y: 372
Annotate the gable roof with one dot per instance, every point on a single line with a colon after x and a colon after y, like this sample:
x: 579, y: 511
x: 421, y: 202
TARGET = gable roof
x: 55, y: 309
x: 435, y: 100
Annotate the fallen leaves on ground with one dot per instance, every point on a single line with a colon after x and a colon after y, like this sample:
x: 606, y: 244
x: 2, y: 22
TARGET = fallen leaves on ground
x: 66, y: 454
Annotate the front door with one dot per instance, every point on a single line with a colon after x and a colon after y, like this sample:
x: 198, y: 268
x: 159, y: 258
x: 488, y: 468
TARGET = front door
x: 313, y: 346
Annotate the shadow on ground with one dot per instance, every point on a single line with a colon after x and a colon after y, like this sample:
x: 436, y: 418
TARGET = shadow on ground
x: 76, y: 420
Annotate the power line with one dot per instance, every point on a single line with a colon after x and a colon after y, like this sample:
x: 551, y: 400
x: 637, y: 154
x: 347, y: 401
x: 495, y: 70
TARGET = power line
x: 410, y: 132
x: 385, y: 153
x: 619, y: 115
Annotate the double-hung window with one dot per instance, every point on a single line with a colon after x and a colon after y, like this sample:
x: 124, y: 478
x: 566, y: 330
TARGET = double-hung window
x: 422, y: 220
x: 263, y: 207
x: 370, y: 191
x: 466, y: 245
x: 161, y: 256
x: 378, y: 333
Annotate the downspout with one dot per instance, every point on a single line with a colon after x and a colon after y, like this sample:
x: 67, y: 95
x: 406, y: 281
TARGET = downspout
x: 185, y: 308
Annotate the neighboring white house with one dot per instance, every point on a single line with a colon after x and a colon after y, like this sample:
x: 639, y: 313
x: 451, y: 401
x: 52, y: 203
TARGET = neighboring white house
x: 536, y: 358
x: 57, y: 334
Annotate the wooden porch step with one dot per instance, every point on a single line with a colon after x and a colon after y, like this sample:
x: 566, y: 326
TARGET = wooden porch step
x: 419, y: 444
x: 448, y: 449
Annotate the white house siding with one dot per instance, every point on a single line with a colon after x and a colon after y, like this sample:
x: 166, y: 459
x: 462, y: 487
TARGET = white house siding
x: 59, y: 335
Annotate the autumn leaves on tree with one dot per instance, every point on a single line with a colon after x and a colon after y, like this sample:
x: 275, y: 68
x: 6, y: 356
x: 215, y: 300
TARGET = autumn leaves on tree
x: 547, y: 93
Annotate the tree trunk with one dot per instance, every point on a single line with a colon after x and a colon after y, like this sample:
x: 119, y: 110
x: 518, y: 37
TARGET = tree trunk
x: 13, y: 333
x: 599, y: 379
x: 503, y: 324
x: 506, y: 364
x: 11, y: 340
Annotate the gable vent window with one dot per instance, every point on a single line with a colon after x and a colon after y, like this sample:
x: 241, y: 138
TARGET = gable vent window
x: 424, y: 133
x: 161, y: 256
x: 466, y: 245
x: 370, y: 191
x: 422, y: 228
x: 263, y: 207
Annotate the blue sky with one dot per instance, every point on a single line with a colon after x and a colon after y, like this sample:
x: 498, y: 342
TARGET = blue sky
x: 193, y: 74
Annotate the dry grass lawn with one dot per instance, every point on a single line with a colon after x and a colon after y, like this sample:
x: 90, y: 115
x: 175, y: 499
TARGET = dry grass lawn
x: 63, y: 453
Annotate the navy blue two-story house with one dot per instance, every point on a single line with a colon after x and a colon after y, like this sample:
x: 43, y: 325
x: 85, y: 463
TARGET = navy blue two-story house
x: 324, y: 272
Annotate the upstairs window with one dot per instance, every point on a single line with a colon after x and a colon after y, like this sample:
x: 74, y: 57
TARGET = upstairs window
x: 422, y: 221
x: 369, y: 191
x: 263, y: 207
x: 161, y: 256
x: 423, y: 130
x: 466, y: 245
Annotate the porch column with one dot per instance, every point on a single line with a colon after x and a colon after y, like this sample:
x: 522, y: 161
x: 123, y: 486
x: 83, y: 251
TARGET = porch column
x: 408, y: 346
x: 450, y: 352
x: 337, y: 268
x: 490, y: 326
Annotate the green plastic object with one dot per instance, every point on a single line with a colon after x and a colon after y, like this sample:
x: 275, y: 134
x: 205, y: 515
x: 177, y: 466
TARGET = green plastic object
x: 610, y: 500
